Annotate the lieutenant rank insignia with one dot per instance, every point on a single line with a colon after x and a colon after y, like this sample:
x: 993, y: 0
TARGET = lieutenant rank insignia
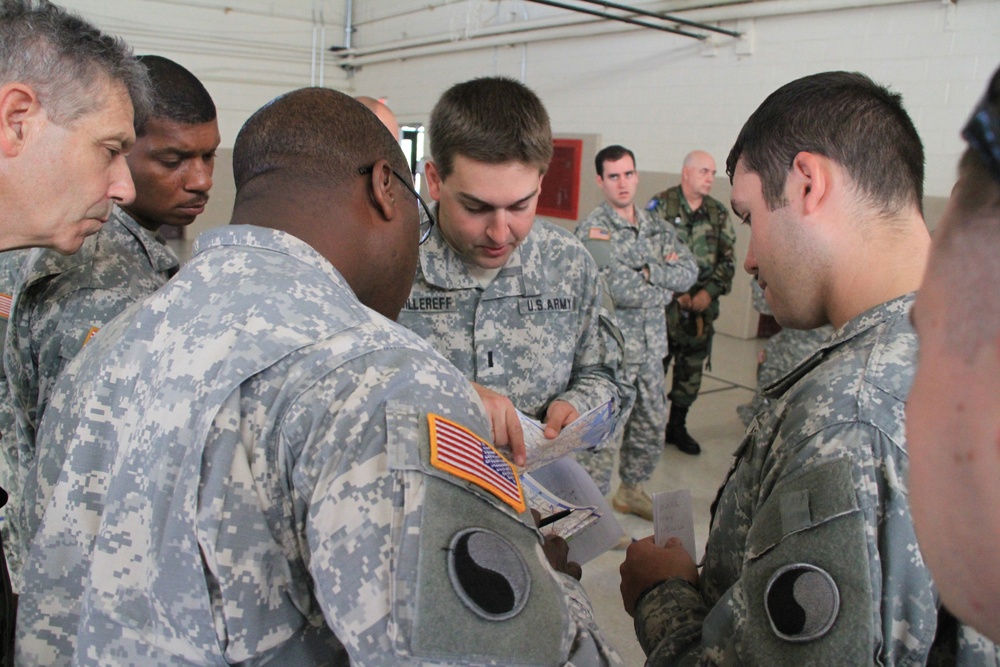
x: 457, y: 450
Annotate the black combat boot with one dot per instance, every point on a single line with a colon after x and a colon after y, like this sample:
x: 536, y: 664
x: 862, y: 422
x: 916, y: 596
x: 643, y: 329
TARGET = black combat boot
x: 677, y: 431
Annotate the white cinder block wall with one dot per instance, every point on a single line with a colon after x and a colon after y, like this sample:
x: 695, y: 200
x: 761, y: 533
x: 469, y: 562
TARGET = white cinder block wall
x: 660, y: 94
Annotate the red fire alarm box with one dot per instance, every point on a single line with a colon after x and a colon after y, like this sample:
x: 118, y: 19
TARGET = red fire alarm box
x: 560, y: 197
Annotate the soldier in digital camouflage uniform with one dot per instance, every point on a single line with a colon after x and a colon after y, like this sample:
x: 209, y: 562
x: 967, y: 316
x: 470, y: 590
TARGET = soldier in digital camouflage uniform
x: 952, y: 411
x: 642, y: 264
x: 811, y: 556
x: 63, y: 300
x: 68, y: 97
x: 10, y: 269
x: 702, y: 224
x: 270, y: 471
x: 781, y: 353
x: 513, y: 301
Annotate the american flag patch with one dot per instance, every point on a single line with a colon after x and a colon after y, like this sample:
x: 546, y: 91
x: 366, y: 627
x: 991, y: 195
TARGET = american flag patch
x: 5, y: 300
x: 457, y: 450
x: 90, y: 334
x: 599, y: 233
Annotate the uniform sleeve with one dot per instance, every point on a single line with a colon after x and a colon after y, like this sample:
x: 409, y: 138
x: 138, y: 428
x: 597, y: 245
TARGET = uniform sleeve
x: 599, y: 356
x: 60, y: 325
x: 829, y: 570
x: 411, y: 563
x: 626, y: 281
x: 721, y: 279
x: 679, y: 269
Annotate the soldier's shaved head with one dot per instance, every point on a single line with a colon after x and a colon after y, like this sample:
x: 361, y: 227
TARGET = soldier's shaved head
x: 383, y: 112
x: 317, y: 164
x: 316, y: 133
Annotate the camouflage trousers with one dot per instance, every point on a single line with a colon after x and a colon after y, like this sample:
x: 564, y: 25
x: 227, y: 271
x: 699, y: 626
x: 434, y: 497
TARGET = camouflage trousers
x: 642, y: 442
x: 688, y: 364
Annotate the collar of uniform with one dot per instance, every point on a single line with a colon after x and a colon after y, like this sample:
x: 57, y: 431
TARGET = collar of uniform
x: 612, y: 214
x: 43, y: 262
x: 685, y: 206
x: 445, y: 269
x: 251, y: 236
x: 161, y: 257
x: 898, y: 307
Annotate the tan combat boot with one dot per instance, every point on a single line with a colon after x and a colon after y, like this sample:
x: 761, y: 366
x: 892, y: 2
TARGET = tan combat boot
x: 631, y: 499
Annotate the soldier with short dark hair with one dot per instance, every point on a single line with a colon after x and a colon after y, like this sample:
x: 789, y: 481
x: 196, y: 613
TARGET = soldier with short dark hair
x: 643, y: 265
x: 812, y: 557
x: 514, y: 301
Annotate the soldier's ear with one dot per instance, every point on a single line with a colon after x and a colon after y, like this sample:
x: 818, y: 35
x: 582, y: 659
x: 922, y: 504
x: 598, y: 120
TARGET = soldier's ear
x: 383, y: 197
x: 19, y: 111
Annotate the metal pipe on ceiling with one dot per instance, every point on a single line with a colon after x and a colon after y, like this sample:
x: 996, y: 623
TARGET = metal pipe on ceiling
x: 663, y: 17
x: 622, y: 19
x: 579, y: 27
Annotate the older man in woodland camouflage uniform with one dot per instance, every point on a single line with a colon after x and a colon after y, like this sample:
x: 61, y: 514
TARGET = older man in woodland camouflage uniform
x: 812, y: 556
x: 266, y: 468
x: 61, y: 301
x: 513, y: 301
x: 702, y: 224
x: 643, y: 265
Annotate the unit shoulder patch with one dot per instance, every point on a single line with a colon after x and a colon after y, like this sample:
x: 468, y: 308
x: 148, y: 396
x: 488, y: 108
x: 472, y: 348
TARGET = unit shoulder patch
x: 802, y: 602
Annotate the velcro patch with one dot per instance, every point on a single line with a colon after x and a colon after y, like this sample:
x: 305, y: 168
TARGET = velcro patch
x: 462, y: 453
x: 5, y: 300
x: 599, y: 234
x: 802, y: 602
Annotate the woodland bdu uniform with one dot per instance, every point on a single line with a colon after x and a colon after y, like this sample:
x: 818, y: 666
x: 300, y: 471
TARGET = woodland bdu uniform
x: 61, y: 303
x: 537, y: 333
x: 266, y: 470
x: 622, y: 251
x: 709, y: 235
x: 812, y: 556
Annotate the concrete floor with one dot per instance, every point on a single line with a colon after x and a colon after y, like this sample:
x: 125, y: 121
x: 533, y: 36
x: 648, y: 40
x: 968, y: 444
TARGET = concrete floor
x: 714, y: 423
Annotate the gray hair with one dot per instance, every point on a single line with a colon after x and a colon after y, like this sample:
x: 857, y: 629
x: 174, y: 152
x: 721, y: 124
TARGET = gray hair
x: 64, y: 58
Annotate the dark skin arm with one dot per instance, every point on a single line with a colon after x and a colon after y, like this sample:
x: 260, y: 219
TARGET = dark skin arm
x: 557, y: 552
x: 647, y: 564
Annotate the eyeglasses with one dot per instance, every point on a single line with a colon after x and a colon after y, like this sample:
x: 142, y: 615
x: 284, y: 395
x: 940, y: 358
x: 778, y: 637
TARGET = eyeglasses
x: 426, y: 219
x: 983, y: 134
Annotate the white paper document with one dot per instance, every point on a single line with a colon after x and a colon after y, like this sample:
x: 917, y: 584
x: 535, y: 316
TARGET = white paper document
x: 673, y: 517
x: 587, y: 431
x: 564, y: 484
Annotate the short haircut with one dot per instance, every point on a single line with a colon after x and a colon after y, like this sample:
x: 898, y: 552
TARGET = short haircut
x: 177, y: 94
x: 65, y: 59
x: 965, y: 257
x: 313, y: 134
x: 494, y: 120
x: 611, y: 154
x: 846, y: 117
